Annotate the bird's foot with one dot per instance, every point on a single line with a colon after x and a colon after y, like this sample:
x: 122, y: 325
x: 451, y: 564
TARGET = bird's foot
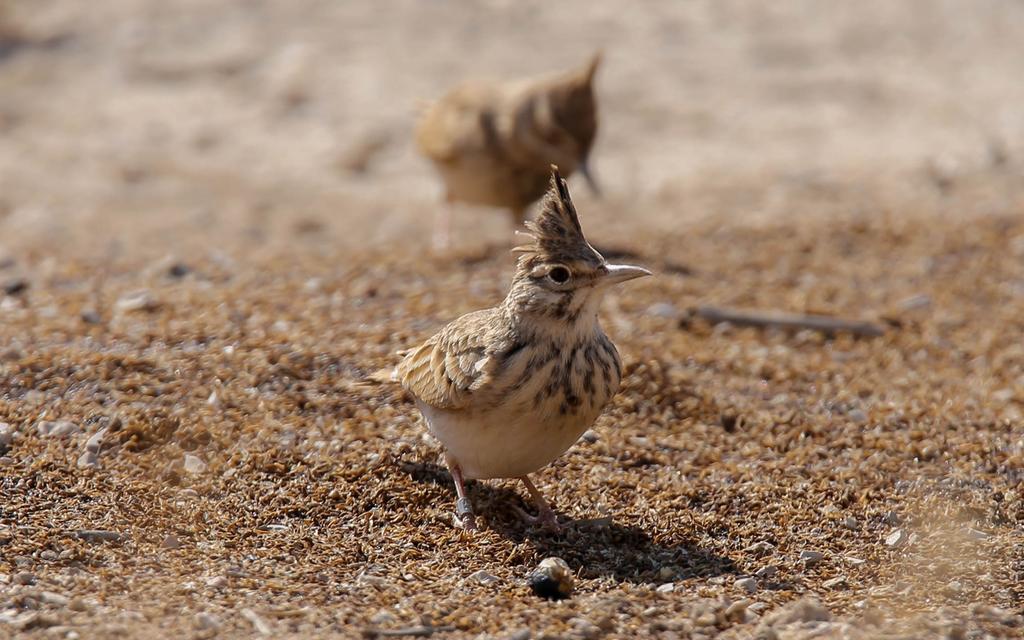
x: 546, y: 519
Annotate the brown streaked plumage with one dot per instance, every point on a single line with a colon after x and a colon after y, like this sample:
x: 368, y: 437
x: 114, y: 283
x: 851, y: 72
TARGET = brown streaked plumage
x: 508, y: 389
x: 492, y: 143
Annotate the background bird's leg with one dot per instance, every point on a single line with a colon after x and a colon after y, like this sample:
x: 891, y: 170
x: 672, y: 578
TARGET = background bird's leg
x: 463, y: 507
x: 443, y: 226
x: 545, y: 515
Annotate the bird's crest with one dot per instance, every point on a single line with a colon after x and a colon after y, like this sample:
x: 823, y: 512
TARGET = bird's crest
x: 556, y: 233
x: 591, y: 68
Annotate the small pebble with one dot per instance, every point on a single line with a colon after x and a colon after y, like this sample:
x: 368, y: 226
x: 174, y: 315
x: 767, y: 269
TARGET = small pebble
x: 193, y: 464
x: 746, y: 584
x: 136, y: 301
x: 584, y: 628
x: 737, y: 611
x: 207, y: 621
x: 667, y: 573
x: 95, y: 441
x: 15, y: 286
x: 178, y: 270
x: 919, y: 301
x: 88, y: 460
x: 896, y: 538
x: 668, y: 587
x: 57, y: 429
x: 663, y: 310
x: 767, y: 573
x: 53, y: 599
x: 258, y: 623
x: 811, y: 558
x: 313, y: 285
x: 482, y: 577
x: 170, y: 542
x: 760, y: 547
x: 858, y: 416
x: 91, y: 316
x: 589, y: 436
x: 49, y: 555
x: 6, y: 436
x: 552, y: 579
x: 835, y: 583
x: 34, y: 620
x: 216, y: 582
x: 850, y: 523
x: 23, y: 577
x: 804, y: 610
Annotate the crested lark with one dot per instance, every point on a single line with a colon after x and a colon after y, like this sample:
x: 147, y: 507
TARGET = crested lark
x: 508, y: 389
x: 493, y: 143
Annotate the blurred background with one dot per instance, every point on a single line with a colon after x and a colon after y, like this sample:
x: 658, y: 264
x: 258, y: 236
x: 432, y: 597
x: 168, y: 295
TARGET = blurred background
x: 220, y: 121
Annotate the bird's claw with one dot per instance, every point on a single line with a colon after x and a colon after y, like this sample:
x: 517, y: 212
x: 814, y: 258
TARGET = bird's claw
x: 547, y: 520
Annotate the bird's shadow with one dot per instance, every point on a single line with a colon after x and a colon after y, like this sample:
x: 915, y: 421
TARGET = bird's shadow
x: 595, y: 548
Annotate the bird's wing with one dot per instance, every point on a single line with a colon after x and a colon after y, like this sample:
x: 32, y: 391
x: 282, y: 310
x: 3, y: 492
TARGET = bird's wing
x: 457, y: 366
x: 456, y: 123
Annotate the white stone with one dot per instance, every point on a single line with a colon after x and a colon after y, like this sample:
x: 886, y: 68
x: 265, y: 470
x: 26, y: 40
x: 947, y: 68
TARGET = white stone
x: 193, y: 464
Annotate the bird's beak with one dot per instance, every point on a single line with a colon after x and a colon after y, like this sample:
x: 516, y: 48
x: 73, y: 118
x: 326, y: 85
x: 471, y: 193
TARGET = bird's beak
x: 621, y: 272
x: 589, y: 177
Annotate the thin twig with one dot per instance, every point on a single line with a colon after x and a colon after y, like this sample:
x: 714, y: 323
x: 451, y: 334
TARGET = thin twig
x: 416, y: 632
x: 99, y: 535
x: 825, y: 324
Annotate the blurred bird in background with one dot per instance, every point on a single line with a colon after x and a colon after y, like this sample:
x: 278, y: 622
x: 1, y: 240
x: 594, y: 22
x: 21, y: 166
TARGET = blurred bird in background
x: 493, y: 143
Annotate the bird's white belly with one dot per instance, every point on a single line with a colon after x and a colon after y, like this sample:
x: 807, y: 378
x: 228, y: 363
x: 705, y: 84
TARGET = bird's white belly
x: 503, y: 443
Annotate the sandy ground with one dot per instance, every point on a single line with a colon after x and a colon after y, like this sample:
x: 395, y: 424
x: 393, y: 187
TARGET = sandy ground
x: 212, y: 225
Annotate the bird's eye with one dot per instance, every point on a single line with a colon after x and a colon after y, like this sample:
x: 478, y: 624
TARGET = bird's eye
x: 559, y: 275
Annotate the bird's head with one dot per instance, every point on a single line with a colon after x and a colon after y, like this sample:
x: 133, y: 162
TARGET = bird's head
x: 559, y: 276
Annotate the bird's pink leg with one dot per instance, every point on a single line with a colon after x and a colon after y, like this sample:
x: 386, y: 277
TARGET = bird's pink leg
x: 545, y: 516
x: 463, y: 507
x: 443, y: 226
